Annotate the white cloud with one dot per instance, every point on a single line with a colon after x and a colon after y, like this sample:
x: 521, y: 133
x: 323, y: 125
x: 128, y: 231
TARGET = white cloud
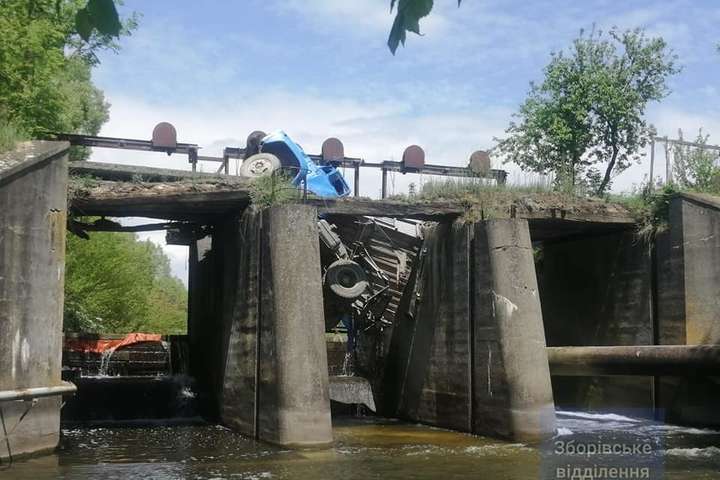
x: 668, y: 119
x: 364, y: 16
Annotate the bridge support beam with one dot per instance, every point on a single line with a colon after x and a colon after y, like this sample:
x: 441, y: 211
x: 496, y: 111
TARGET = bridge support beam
x: 512, y: 391
x: 468, y: 348
x: 275, y: 384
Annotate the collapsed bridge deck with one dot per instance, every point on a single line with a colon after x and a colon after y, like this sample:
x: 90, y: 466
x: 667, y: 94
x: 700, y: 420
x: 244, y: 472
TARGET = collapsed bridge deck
x: 124, y: 191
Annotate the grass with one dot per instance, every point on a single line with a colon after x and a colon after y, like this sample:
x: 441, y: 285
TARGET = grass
x: 484, y: 199
x: 459, y: 188
x: 273, y: 190
x: 651, y: 209
x: 10, y: 136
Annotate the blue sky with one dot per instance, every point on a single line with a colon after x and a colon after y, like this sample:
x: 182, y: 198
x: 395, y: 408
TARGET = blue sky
x: 317, y: 68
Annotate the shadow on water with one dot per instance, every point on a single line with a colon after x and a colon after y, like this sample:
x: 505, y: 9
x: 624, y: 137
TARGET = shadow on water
x: 363, y: 448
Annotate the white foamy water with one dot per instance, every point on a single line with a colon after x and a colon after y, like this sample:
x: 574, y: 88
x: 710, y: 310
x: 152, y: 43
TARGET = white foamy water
x: 707, y: 452
x: 600, y: 417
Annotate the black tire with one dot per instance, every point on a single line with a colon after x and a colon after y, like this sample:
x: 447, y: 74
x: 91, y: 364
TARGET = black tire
x: 259, y: 165
x: 252, y: 145
x: 346, y: 279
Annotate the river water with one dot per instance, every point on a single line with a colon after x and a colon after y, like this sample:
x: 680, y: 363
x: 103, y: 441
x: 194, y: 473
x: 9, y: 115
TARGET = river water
x: 363, y: 449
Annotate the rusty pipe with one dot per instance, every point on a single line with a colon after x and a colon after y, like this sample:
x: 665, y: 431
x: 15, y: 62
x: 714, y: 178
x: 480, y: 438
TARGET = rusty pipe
x: 670, y: 360
x: 64, y: 388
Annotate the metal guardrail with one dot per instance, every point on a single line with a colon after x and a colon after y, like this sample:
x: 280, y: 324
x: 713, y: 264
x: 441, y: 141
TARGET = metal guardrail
x: 165, y: 140
x: 65, y: 388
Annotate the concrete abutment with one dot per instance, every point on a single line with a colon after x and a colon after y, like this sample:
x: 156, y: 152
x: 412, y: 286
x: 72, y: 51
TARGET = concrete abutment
x: 32, y: 265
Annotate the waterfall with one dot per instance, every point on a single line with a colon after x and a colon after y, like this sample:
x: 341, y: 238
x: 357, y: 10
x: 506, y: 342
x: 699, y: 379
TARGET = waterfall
x: 105, y: 362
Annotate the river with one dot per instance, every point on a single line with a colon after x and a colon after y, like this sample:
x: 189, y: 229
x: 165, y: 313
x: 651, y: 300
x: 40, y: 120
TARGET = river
x: 364, y: 448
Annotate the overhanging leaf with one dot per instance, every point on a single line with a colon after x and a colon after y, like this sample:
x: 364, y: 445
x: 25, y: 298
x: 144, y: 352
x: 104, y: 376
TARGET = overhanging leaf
x: 100, y: 15
x: 104, y: 16
x: 407, y: 19
x: 83, y: 24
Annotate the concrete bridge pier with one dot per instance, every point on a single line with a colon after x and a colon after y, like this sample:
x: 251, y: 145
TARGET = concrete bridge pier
x: 512, y: 389
x: 468, y: 349
x: 269, y: 344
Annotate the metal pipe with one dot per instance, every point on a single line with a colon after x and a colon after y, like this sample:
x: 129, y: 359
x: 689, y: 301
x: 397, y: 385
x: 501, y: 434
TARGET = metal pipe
x: 685, y: 143
x: 652, y: 164
x: 649, y: 360
x: 356, y: 183
x: 37, y: 392
x: 383, y: 193
x: 668, y: 166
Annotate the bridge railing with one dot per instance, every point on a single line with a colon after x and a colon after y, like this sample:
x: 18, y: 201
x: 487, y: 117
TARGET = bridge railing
x: 164, y: 139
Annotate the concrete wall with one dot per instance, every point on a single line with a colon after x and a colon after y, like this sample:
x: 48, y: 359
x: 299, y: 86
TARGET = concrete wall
x: 32, y: 265
x: 427, y: 375
x: 468, y: 350
x: 239, y: 388
x: 700, y: 249
x: 597, y: 291
x: 689, y: 304
x: 275, y: 377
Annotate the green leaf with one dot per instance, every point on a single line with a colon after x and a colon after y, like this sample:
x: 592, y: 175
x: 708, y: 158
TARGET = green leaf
x: 407, y: 19
x: 104, y: 17
x: 83, y: 24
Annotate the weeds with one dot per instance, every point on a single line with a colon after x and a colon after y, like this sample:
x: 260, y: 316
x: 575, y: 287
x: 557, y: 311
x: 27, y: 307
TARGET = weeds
x: 78, y: 186
x: 460, y: 188
x: 10, y: 136
x: 650, y: 208
x: 273, y: 190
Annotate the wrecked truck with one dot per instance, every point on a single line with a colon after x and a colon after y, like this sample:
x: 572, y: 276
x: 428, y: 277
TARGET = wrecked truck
x: 346, y: 275
x: 267, y: 154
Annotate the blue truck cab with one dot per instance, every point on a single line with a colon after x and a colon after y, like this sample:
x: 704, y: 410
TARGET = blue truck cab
x: 322, y: 180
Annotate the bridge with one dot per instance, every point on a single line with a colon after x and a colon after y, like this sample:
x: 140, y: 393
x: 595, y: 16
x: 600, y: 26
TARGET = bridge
x: 494, y: 307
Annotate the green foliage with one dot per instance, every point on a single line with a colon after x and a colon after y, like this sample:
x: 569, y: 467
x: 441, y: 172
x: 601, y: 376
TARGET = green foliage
x: 10, y: 135
x: 115, y: 283
x: 651, y: 208
x: 45, y: 83
x: 696, y: 168
x: 273, y: 190
x: 407, y: 19
x: 168, y: 306
x: 585, y: 123
x: 462, y: 188
x: 100, y: 16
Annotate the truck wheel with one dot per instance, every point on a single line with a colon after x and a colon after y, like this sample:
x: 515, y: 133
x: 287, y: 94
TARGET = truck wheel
x: 259, y: 165
x: 346, y: 279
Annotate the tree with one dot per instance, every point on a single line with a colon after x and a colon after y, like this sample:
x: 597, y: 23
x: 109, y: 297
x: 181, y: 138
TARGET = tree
x: 695, y: 167
x: 407, y: 19
x: 115, y: 283
x: 45, y: 63
x: 585, y: 122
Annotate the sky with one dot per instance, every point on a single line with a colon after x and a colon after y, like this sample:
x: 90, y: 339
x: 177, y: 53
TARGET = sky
x: 218, y: 70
